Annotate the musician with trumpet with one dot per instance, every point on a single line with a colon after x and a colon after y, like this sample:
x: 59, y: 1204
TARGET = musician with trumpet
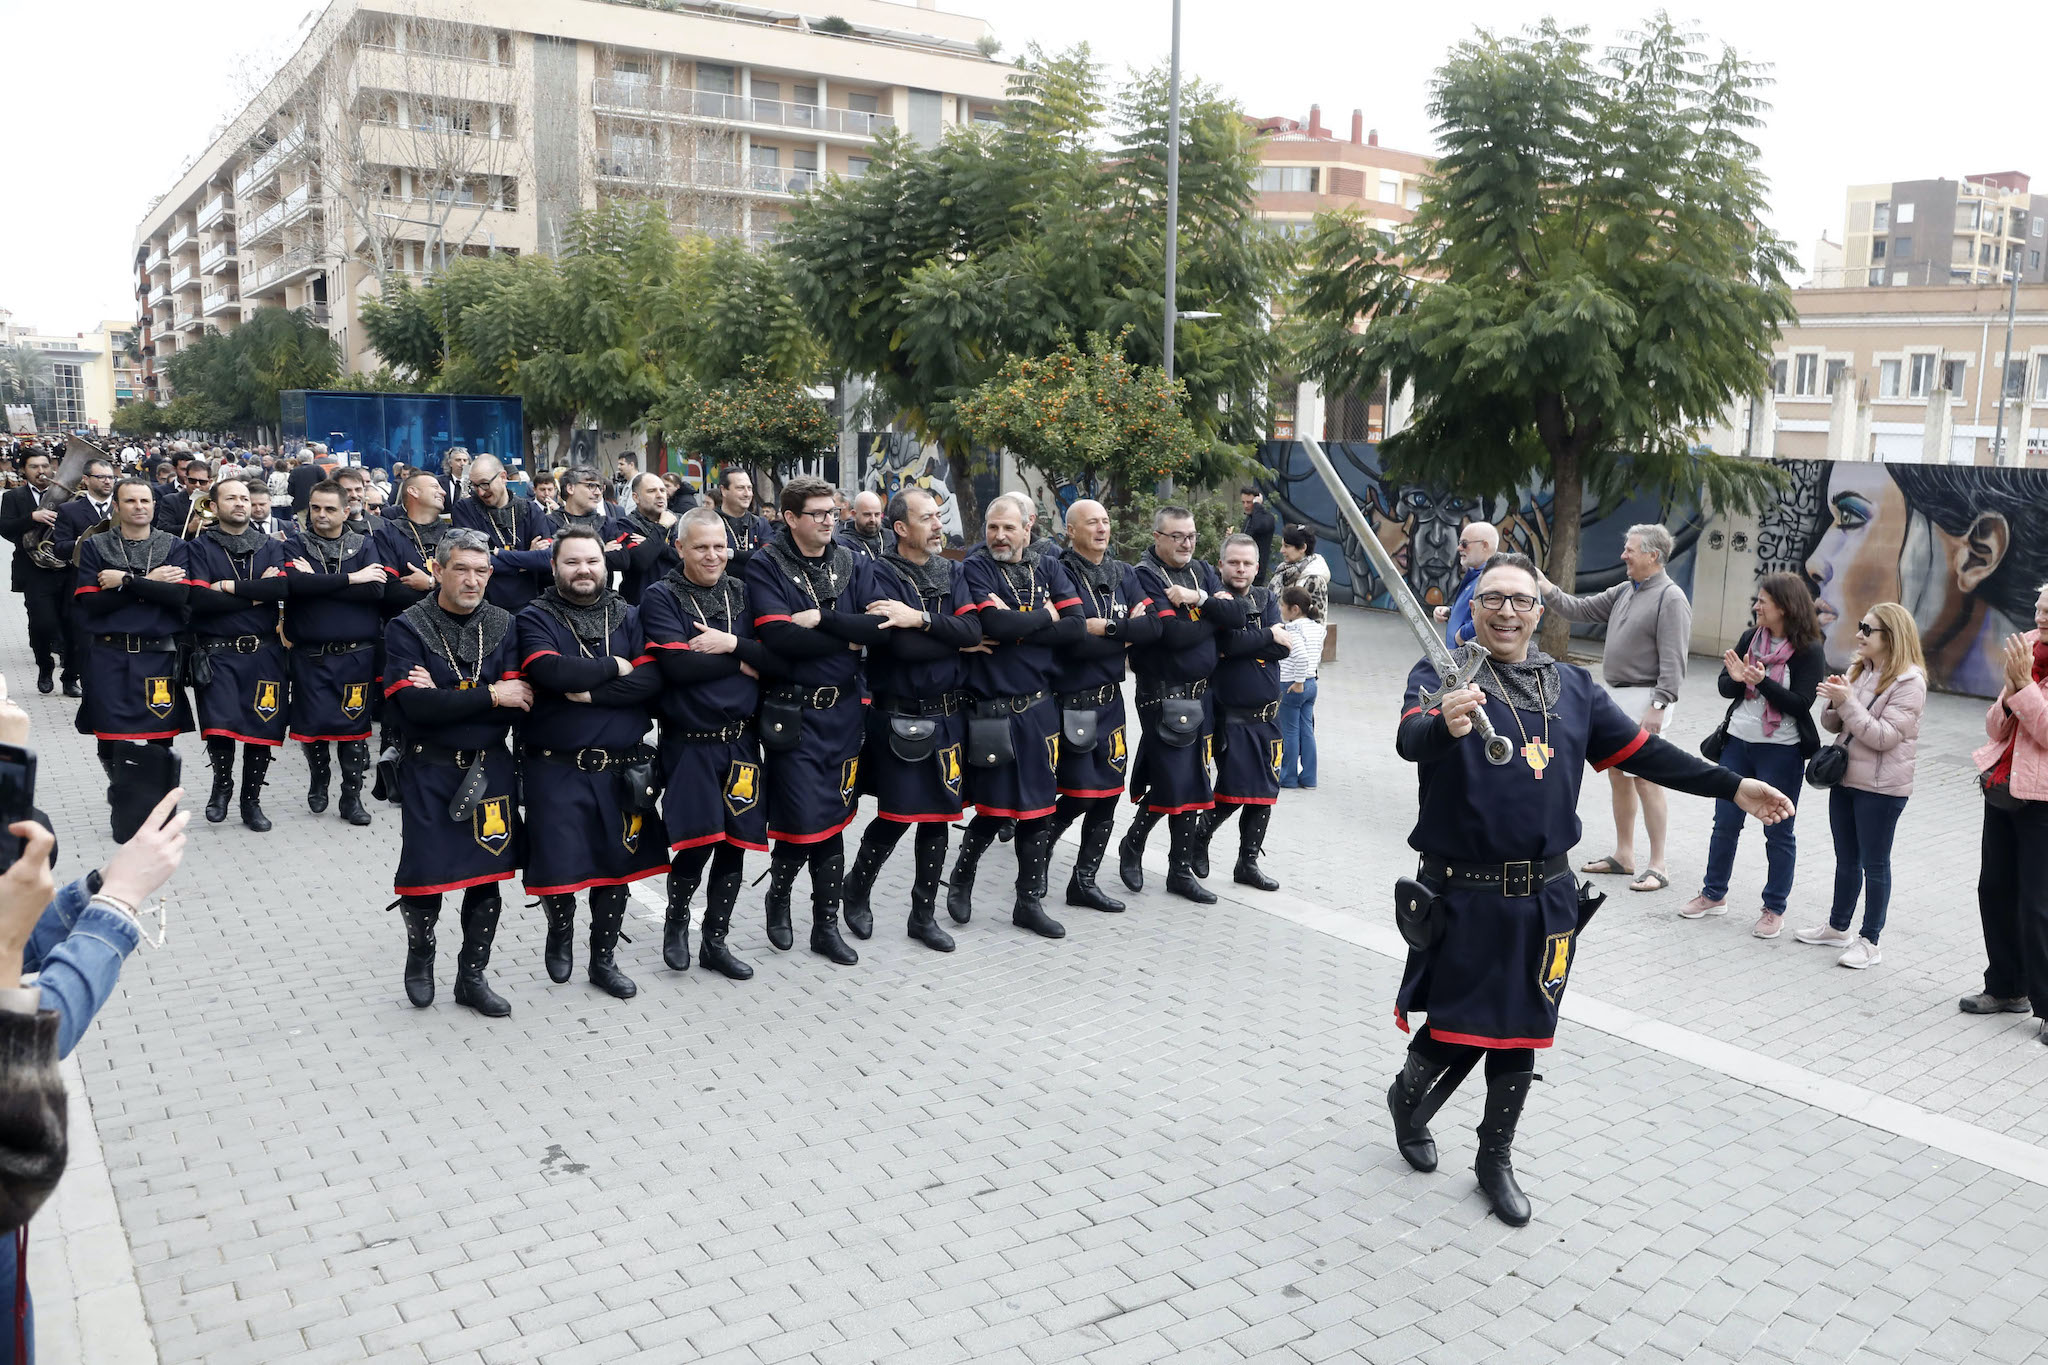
x: 28, y: 520
x: 177, y: 513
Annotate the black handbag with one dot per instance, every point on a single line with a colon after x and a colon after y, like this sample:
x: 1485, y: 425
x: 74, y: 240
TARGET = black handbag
x: 1418, y: 914
x: 1828, y: 767
x: 782, y: 724
x: 989, y: 743
x: 1077, y: 731
x: 1180, y: 721
x: 913, y: 738
x: 639, y: 789
x: 1712, y: 746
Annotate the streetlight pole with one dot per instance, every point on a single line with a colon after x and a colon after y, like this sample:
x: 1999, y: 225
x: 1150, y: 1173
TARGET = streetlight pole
x: 2012, y: 303
x: 1172, y: 187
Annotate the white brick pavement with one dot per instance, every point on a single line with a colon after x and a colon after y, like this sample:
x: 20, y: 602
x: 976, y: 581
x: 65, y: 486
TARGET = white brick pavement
x: 1161, y: 1138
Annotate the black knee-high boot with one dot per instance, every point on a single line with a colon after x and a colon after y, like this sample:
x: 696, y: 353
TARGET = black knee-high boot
x: 685, y: 870
x: 1186, y: 829
x: 321, y: 769
x: 784, y: 863
x: 255, y: 763
x: 420, y: 914
x: 1494, y: 1165
x: 220, y: 756
x: 724, y: 891
x: 1251, y: 842
x: 607, y: 915
x: 355, y: 766
x: 479, y: 926
x: 877, y: 842
x: 974, y: 841
x: 828, y: 870
x: 924, y: 888
x: 1130, y: 852
x: 1096, y: 826
x: 1034, y: 847
x: 1210, y: 821
x: 1430, y: 1072
x: 558, y: 950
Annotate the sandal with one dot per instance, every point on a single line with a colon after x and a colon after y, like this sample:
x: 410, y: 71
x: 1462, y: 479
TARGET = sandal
x: 1650, y: 875
x: 1610, y: 866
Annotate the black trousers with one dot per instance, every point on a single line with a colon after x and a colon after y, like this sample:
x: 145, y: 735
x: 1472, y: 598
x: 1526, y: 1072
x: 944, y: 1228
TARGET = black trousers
x: 44, y: 597
x: 2012, y: 901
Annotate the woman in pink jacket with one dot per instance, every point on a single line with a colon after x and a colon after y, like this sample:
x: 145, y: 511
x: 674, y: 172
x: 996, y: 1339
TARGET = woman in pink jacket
x: 1876, y: 711
x: 2012, y: 881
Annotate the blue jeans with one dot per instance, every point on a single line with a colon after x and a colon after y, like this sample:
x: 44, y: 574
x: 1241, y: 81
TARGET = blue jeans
x: 1864, y: 823
x: 1298, y: 735
x: 1782, y: 767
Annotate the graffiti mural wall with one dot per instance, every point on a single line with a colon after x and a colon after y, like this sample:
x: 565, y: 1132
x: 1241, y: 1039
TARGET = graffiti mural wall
x: 1419, y: 526
x: 890, y: 460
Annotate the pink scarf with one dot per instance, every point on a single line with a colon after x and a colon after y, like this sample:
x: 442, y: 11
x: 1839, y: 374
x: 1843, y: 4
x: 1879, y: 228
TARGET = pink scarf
x: 1776, y: 657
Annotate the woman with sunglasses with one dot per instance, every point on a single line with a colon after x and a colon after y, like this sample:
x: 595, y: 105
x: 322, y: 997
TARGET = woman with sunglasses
x: 1876, y: 709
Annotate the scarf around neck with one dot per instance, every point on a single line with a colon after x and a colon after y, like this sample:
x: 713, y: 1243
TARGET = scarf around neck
x: 930, y: 580
x: 1531, y: 685
x: 826, y: 576
x: 593, y: 622
x: 1776, y: 657
x: 136, y: 556
x: 1193, y: 574
x: 715, y: 607
x: 1101, y: 580
x: 247, y: 543
x: 468, y: 640
x: 332, y: 552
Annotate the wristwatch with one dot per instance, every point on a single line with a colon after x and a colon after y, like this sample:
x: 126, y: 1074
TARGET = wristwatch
x: 1659, y: 705
x: 1112, y: 628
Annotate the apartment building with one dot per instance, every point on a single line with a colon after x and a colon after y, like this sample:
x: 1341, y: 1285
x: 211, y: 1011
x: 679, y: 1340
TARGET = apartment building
x: 404, y: 133
x: 1971, y: 231
x: 88, y: 376
x: 1909, y: 373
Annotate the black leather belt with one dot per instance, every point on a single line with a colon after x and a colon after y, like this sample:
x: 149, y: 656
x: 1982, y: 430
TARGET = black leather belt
x: 233, y: 644
x: 1015, y: 705
x: 945, y: 704
x: 139, y: 644
x: 724, y: 736
x: 1152, y: 696
x: 334, y: 647
x: 817, y: 698
x: 592, y: 760
x: 1093, y: 700
x: 1237, y: 715
x: 1509, y: 879
x: 442, y: 756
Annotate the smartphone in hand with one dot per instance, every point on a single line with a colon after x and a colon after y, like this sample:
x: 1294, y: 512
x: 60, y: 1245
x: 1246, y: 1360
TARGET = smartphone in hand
x: 17, y: 797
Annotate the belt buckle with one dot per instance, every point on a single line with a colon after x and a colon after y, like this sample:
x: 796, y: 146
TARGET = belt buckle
x: 603, y: 761
x: 818, y: 705
x: 464, y: 758
x: 131, y: 644
x: 247, y: 644
x: 1526, y: 871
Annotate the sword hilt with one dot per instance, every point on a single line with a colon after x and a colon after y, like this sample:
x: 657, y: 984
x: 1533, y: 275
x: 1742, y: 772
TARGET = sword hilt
x: 1499, y: 748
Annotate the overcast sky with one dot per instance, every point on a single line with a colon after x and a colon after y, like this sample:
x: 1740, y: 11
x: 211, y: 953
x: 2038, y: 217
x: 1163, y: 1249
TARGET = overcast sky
x: 111, y: 98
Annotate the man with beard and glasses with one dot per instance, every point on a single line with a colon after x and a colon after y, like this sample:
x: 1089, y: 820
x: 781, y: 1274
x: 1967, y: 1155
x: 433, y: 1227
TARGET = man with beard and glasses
x: 1245, y: 691
x: 517, y: 533
x: 1493, y: 901
x: 700, y: 631
x: 1089, y: 683
x: 405, y: 545
x: 132, y: 592
x: 336, y: 584
x: 77, y: 519
x: 809, y: 598
x: 589, y: 778
x: 236, y: 577
x: 655, y: 524
x: 452, y: 669
x: 42, y: 590
x: 1028, y: 610
x: 863, y: 532
x: 745, y: 531
x: 917, y: 722
x: 1175, y: 715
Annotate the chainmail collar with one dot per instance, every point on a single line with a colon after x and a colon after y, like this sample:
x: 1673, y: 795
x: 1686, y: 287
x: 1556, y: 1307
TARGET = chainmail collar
x: 1193, y: 574
x: 136, y: 556
x: 247, y: 542
x: 1531, y: 685
x: 594, y: 522
x: 1029, y: 591
x: 826, y: 576
x: 648, y: 526
x: 469, y: 639
x: 930, y: 580
x: 593, y: 622
x: 1103, y: 578
x: 331, y: 551
x: 717, y: 606
x: 870, y: 545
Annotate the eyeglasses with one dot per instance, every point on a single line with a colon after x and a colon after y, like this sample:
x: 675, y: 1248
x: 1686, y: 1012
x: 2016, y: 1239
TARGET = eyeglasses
x: 1178, y: 537
x: 1864, y: 628
x: 1522, y: 602
x: 1469, y: 544
x: 822, y: 516
x: 479, y: 485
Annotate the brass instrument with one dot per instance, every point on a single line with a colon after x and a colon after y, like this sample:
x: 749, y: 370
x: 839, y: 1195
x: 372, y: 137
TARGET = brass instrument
x: 78, y: 453
x: 200, y: 517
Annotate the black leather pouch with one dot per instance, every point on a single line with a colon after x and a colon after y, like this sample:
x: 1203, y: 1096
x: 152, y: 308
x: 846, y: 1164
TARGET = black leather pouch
x: 1418, y: 914
x: 1077, y: 731
x: 913, y: 738
x: 782, y: 725
x: 1180, y: 720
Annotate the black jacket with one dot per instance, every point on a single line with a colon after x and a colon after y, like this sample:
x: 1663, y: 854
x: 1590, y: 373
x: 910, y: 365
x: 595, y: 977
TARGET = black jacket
x: 17, y: 518
x: 1793, y: 697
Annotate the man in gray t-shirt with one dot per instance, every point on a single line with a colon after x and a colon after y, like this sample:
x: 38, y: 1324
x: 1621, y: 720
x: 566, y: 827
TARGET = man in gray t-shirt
x: 1649, y: 627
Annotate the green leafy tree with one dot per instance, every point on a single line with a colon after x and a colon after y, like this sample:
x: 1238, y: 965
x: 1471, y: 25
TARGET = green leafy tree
x: 1090, y: 416
x: 755, y: 420
x: 138, y: 421
x: 1585, y: 286
x: 24, y: 370
x: 232, y: 379
x: 940, y: 263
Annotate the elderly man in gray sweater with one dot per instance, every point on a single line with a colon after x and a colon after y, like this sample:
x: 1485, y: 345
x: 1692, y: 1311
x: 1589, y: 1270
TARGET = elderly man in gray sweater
x: 1649, y: 626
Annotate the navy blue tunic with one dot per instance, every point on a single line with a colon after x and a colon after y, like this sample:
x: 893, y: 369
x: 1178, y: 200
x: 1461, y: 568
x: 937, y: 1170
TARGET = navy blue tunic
x: 245, y: 698
x: 1247, y: 680
x: 1029, y: 610
x: 518, y: 571
x: 908, y: 669
x: 335, y: 688
x: 1171, y: 779
x: 132, y: 694
x: 1108, y: 591
x: 710, y: 756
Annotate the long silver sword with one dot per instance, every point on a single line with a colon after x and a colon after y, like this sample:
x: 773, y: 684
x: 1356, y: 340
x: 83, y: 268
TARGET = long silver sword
x: 1453, y: 671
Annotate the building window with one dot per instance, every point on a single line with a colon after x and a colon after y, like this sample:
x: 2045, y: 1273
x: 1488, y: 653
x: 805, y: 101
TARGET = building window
x: 1877, y: 276
x: 2033, y: 260
x: 864, y: 104
x: 1902, y: 248
x: 716, y: 79
x: 2015, y: 378
x: 2038, y: 220
x: 1778, y: 377
x: 1888, y: 378
x: 2041, y: 379
x: 1905, y: 215
x: 1805, y: 373
x: 1390, y: 190
x: 1952, y: 375
x: 1836, y: 368
x: 1966, y: 216
x: 1877, y: 249
x: 857, y: 166
x: 1921, y: 377
x: 1882, y: 219
x: 1285, y: 180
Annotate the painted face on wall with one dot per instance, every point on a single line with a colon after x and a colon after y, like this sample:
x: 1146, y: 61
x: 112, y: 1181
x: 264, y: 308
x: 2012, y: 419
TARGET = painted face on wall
x: 1856, y: 562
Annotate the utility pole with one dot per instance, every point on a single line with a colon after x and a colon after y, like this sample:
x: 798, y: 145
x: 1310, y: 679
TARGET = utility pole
x: 1172, y: 187
x: 2012, y: 303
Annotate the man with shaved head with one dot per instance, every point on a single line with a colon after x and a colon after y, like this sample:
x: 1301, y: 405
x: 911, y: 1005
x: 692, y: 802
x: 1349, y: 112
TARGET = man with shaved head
x: 1094, y: 745
x: 863, y: 532
x: 518, y: 533
x: 1477, y: 542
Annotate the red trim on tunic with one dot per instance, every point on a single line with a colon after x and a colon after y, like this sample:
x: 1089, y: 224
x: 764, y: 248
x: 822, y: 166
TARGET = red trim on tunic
x: 819, y: 837
x: 1013, y: 814
x: 571, y: 890
x: 529, y: 659
x: 742, y: 843
x: 159, y: 734
x: 395, y: 688
x: 960, y: 610
x: 1163, y: 612
x: 1066, y: 602
x: 1621, y: 755
x: 1181, y: 810
x: 917, y: 819
x: 1246, y: 800
x: 643, y: 659
x: 667, y: 644
x: 1475, y: 1040
x: 1401, y: 1021
x: 246, y: 739
x: 698, y: 842
x: 198, y: 583
x: 763, y: 620
x: 1411, y: 711
x: 1070, y: 791
x: 323, y: 739
x: 462, y: 885
x: 82, y: 591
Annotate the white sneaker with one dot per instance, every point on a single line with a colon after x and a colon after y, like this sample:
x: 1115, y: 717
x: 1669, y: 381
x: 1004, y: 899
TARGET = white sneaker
x: 1821, y: 933
x: 1699, y: 907
x: 1862, y: 953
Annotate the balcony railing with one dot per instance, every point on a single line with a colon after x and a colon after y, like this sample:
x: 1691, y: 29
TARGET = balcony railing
x: 160, y: 297
x: 180, y: 237
x: 214, y: 209
x: 184, y: 277
x: 158, y: 260
x: 280, y: 271
x: 286, y: 210
x: 645, y: 97
x: 706, y: 174
x: 217, y: 258
x: 187, y: 317
x: 218, y: 300
x: 262, y: 167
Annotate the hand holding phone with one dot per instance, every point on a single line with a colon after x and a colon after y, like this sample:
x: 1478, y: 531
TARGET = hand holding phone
x: 17, y: 798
